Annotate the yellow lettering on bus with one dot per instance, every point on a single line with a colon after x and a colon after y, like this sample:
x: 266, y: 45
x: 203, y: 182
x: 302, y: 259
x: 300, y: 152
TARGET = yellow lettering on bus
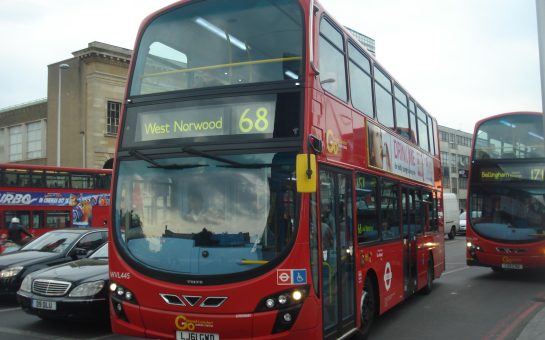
x: 537, y: 174
x: 154, y: 128
x: 261, y: 123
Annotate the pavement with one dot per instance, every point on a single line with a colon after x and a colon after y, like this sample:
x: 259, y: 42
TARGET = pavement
x: 535, y: 329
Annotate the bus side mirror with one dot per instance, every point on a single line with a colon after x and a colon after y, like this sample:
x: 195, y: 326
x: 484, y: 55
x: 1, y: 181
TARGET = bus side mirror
x: 305, y: 173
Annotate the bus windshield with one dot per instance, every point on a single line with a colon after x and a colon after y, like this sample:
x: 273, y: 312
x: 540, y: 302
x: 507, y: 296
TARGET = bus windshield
x: 508, y: 212
x: 216, y: 43
x: 507, y: 137
x: 207, y: 215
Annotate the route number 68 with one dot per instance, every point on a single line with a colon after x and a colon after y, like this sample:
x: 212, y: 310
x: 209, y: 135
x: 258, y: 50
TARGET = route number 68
x: 260, y: 123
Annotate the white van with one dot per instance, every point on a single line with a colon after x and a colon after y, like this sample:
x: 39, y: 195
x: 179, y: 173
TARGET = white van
x: 451, y: 214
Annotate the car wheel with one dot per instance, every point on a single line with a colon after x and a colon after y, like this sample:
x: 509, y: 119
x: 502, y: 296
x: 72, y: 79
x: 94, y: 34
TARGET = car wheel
x: 452, y: 233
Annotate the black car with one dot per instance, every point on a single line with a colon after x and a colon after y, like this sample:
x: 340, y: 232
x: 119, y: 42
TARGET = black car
x: 50, y: 249
x: 74, y: 290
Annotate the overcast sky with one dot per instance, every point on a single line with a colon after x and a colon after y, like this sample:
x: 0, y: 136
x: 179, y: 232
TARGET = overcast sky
x: 461, y: 59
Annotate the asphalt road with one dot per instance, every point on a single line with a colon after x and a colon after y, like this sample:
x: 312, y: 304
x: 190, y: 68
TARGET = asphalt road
x: 466, y: 303
x: 17, y: 325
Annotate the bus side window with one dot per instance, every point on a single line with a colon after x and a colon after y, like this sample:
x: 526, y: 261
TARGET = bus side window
x: 366, y: 215
x: 389, y: 210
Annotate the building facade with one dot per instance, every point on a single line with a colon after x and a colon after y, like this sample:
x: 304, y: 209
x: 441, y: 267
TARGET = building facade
x: 87, y: 91
x: 455, y: 146
x: 23, y: 132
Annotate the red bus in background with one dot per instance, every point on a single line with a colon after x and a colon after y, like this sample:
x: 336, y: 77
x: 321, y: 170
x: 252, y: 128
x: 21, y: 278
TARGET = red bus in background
x: 47, y: 197
x: 274, y: 182
x: 505, y: 224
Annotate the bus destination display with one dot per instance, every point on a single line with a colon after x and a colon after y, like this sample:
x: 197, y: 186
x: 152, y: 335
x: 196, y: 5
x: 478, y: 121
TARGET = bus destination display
x: 513, y: 172
x: 255, y: 115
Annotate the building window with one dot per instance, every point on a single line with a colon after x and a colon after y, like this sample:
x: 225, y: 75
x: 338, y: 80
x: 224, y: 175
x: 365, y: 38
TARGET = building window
x: 453, y: 159
x: 15, y: 143
x: 446, y: 182
x: 34, y: 140
x: 444, y: 136
x: 454, y: 188
x: 462, y: 183
x: 113, y: 117
x: 444, y: 157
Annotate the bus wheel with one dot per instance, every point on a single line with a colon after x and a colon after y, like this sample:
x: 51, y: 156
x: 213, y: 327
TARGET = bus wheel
x: 368, y: 309
x: 430, y: 273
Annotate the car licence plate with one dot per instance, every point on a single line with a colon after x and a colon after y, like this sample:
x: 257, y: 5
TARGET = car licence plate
x: 511, y: 266
x: 41, y: 304
x: 181, y: 335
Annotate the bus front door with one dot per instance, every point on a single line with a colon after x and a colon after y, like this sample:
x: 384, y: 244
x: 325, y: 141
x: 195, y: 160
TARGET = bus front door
x: 337, y: 243
x: 409, y: 241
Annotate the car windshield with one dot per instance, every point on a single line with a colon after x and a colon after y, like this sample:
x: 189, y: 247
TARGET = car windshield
x: 55, y: 242
x: 101, y: 252
x: 231, y: 214
x: 508, y: 212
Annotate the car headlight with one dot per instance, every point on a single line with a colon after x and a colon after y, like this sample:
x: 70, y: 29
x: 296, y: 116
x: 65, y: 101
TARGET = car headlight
x: 10, y: 272
x: 26, y: 285
x: 87, y: 289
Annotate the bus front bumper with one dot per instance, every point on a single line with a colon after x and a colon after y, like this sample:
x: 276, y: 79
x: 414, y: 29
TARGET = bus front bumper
x: 141, y: 321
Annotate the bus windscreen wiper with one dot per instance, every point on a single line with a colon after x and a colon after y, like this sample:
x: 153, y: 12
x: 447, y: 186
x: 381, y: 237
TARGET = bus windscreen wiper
x: 155, y: 164
x: 231, y: 163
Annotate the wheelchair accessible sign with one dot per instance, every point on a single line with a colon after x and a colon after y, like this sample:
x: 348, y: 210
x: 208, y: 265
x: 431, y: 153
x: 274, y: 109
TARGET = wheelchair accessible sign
x: 291, y: 276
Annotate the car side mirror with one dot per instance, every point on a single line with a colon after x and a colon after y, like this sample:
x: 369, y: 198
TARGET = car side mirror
x: 79, y: 252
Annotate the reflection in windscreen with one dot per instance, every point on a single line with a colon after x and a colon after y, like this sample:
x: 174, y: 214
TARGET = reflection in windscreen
x: 508, y: 137
x: 206, y: 217
x: 217, y: 43
x: 52, y: 242
x: 508, y: 214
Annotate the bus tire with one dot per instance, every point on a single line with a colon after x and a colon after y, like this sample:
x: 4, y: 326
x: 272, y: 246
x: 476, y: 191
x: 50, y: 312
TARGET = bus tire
x: 430, y: 273
x: 368, y: 309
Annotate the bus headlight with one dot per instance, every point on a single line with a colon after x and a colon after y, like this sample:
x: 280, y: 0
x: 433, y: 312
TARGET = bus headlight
x: 287, y: 305
x: 297, y: 295
x: 120, y: 295
x: 283, y: 299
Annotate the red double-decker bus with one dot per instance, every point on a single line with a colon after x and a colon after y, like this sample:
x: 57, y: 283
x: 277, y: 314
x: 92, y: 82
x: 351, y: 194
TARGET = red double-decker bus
x: 47, y: 197
x: 505, y: 223
x: 272, y: 180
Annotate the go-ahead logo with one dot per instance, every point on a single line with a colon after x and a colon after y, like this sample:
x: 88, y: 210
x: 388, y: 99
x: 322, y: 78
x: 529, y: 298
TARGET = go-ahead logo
x: 182, y: 323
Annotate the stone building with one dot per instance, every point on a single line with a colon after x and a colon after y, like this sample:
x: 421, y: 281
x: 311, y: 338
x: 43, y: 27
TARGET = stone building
x: 92, y: 85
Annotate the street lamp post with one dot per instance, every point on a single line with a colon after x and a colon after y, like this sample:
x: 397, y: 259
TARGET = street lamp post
x: 61, y: 67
